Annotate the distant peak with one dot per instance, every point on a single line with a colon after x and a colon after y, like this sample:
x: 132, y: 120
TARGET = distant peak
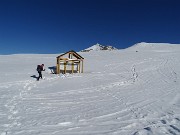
x: 97, y: 44
x: 99, y: 47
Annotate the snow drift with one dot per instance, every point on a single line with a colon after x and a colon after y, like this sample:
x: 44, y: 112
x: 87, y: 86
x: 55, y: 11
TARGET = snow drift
x: 135, y: 91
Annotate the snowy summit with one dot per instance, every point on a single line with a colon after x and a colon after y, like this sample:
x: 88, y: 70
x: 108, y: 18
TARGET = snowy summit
x: 98, y: 47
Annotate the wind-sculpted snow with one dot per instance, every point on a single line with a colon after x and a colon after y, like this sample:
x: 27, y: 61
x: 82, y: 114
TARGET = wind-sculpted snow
x: 123, y: 92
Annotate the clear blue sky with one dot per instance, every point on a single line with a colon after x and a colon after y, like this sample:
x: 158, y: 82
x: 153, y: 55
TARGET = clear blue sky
x: 55, y: 26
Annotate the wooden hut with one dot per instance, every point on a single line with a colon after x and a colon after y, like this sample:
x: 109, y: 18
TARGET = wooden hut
x: 69, y: 62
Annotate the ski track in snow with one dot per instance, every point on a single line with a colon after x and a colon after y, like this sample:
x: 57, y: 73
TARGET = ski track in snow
x: 138, y: 97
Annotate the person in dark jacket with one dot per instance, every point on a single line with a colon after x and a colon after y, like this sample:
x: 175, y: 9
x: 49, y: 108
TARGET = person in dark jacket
x: 40, y: 68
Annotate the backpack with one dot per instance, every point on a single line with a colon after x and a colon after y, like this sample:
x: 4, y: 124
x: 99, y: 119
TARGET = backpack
x: 38, y: 68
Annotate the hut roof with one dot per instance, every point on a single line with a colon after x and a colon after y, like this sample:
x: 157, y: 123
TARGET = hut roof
x: 75, y: 54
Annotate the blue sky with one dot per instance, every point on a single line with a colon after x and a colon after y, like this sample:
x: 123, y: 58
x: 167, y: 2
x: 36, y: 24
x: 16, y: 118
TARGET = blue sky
x: 55, y: 26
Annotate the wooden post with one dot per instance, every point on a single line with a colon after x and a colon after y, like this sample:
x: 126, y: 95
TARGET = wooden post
x: 57, y: 67
x: 72, y: 66
x: 82, y: 67
x: 79, y: 66
x: 65, y: 67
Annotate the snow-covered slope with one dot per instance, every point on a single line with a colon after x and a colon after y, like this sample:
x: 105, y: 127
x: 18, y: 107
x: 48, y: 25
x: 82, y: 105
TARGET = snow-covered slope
x: 98, y: 47
x: 158, y: 47
x: 123, y: 92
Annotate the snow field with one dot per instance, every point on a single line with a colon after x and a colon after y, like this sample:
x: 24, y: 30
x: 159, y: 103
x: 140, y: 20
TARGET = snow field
x: 125, y: 92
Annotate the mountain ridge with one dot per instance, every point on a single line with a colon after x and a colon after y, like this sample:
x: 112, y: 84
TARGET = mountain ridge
x: 143, y: 46
x: 138, y: 46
